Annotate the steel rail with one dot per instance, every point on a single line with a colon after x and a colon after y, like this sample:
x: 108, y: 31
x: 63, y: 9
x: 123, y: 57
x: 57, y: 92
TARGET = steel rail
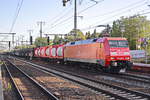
x: 20, y: 96
x: 48, y: 93
x: 137, y: 76
x: 130, y: 77
x: 134, y: 94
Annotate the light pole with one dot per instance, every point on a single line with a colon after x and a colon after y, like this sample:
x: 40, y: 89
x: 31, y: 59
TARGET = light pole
x: 122, y: 28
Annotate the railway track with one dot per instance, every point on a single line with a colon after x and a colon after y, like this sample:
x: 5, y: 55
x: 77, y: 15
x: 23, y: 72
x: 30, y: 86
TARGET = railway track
x: 26, y: 87
x: 139, y: 75
x: 62, y: 89
x: 128, y: 80
x: 140, y: 83
x: 135, y: 77
x: 111, y: 91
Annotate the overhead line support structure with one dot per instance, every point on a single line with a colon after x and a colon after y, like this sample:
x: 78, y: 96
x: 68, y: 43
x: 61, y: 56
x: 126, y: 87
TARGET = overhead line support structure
x: 55, y: 34
x: 41, y: 23
x: 75, y: 15
x: 12, y: 37
x: 8, y: 43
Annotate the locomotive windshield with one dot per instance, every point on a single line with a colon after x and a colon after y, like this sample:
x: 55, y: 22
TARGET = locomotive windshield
x: 118, y: 43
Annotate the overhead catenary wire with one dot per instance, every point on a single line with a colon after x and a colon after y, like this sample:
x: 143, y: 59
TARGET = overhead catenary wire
x: 119, y: 13
x: 19, y: 5
x: 114, y: 11
x: 120, y: 9
x: 17, y: 11
x: 65, y: 26
x: 90, y: 6
x: 55, y: 21
x: 77, y: 13
x: 100, y: 21
x: 91, y: 27
x: 144, y: 13
x: 17, y: 14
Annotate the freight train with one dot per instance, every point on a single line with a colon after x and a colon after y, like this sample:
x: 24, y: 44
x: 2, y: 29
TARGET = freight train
x: 110, y: 54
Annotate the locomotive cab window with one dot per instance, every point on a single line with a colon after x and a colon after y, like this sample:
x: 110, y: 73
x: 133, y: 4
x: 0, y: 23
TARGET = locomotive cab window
x: 118, y: 43
x: 72, y: 43
x: 94, y: 40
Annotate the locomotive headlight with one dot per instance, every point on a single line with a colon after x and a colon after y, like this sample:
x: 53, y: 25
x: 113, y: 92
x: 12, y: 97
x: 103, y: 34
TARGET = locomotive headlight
x: 126, y: 53
x: 127, y: 58
x: 113, y: 53
x: 112, y: 58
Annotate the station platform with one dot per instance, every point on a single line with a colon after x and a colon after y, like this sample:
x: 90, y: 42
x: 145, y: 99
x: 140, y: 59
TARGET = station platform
x: 141, y: 65
x: 1, y: 86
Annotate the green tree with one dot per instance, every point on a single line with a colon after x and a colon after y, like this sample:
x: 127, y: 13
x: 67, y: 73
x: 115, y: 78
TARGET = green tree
x: 95, y: 34
x: 133, y: 28
x: 102, y: 33
x: 88, y: 35
x: 24, y: 46
x: 57, y: 40
x: 41, y: 41
x: 74, y: 37
x: 116, y: 32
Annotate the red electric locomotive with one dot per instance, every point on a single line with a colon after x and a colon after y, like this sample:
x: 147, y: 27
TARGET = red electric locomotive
x: 111, y: 54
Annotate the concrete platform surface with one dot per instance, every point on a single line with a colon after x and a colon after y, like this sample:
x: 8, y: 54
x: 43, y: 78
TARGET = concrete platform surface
x: 140, y: 64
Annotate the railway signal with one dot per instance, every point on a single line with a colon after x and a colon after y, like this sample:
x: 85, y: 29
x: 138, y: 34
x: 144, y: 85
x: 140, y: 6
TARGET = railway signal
x: 30, y: 40
x: 13, y: 35
x: 48, y: 40
x: 30, y: 37
x: 64, y: 2
x: 9, y: 45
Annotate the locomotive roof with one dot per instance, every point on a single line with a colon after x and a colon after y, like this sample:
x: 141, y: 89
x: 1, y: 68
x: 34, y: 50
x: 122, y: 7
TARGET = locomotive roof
x: 88, y: 41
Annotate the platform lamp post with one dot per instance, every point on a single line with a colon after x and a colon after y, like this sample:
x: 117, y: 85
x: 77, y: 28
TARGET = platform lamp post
x: 122, y: 29
x: 146, y: 49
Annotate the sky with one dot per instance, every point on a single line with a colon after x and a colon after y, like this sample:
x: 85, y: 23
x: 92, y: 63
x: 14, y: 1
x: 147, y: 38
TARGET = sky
x: 59, y: 19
